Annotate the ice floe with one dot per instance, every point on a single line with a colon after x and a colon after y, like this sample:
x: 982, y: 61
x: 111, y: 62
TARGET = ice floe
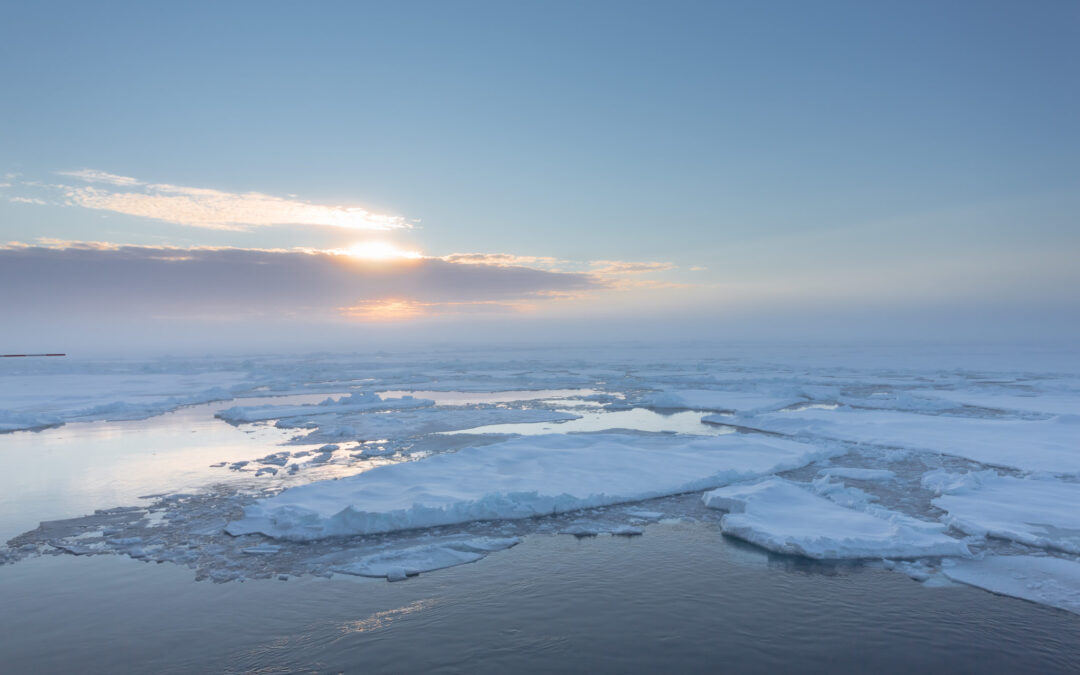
x: 1042, y: 513
x: 520, y: 478
x: 408, y: 423
x: 854, y: 473
x: 1051, y: 445
x: 708, y: 399
x: 400, y: 563
x: 356, y: 402
x: 782, y: 516
x: 1047, y: 581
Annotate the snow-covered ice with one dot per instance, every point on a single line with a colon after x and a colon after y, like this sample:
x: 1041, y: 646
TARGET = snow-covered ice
x: 520, y: 478
x: 719, y: 401
x: 356, y: 402
x: 397, y: 564
x: 1042, y: 513
x: 782, y: 516
x: 393, y: 464
x: 1051, y: 445
x: 1047, y: 581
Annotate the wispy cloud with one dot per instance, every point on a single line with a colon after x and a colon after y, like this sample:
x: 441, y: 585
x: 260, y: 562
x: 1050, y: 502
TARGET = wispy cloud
x: 210, y: 208
x: 507, y: 260
x: 622, y: 267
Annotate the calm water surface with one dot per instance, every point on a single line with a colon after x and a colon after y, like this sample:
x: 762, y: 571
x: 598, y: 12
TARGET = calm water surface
x: 680, y: 598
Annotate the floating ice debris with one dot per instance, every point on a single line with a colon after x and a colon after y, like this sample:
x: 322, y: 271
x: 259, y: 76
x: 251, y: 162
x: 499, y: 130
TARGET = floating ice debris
x: 627, y: 531
x: 643, y: 514
x: 580, y: 529
x: 1047, y: 581
x: 781, y: 516
x: 520, y: 478
x: 262, y: 549
x: 397, y: 564
x: 277, y: 459
x: 857, y: 474
x: 1043, y: 513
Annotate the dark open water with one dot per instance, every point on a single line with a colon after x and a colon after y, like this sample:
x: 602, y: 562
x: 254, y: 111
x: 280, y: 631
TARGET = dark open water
x: 679, y: 599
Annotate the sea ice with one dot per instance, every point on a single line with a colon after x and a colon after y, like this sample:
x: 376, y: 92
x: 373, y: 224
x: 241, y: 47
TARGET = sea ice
x: 781, y: 516
x: 408, y: 423
x: 356, y: 402
x: 520, y: 478
x: 396, y: 564
x: 1043, y: 513
x: 1047, y: 581
x: 1051, y: 445
x: 857, y: 474
x: 708, y: 399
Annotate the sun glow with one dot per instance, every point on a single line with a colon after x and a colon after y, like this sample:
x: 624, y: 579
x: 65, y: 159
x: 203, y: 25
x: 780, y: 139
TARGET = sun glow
x: 380, y: 250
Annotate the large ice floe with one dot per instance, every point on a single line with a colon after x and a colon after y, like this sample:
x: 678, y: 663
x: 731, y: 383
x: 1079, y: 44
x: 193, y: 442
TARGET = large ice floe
x: 1041, y: 513
x: 1049, y: 445
x: 520, y: 478
x: 784, y: 517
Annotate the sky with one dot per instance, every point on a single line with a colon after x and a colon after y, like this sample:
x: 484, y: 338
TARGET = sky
x: 329, y: 172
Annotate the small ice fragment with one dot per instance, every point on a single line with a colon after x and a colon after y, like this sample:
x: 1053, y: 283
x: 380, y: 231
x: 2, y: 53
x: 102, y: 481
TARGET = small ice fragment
x: 126, y: 541
x: 627, y: 531
x: 582, y: 529
x: 857, y: 474
x: 262, y: 549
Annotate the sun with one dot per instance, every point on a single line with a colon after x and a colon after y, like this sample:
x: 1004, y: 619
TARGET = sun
x: 380, y: 250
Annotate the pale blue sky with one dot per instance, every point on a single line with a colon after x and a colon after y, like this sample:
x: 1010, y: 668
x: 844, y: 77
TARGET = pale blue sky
x: 782, y: 145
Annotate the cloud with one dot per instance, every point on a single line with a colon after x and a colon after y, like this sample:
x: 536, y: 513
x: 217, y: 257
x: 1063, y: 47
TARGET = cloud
x: 27, y: 200
x: 101, y: 282
x: 95, y: 176
x: 506, y: 260
x: 209, y: 208
x: 621, y: 267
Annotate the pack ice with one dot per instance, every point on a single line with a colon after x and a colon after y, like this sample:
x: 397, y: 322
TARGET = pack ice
x: 1050, y: 445
x: 1042, y: 513
x: 781, y: 516
x: 520, y: 478
x: 355, y: 402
